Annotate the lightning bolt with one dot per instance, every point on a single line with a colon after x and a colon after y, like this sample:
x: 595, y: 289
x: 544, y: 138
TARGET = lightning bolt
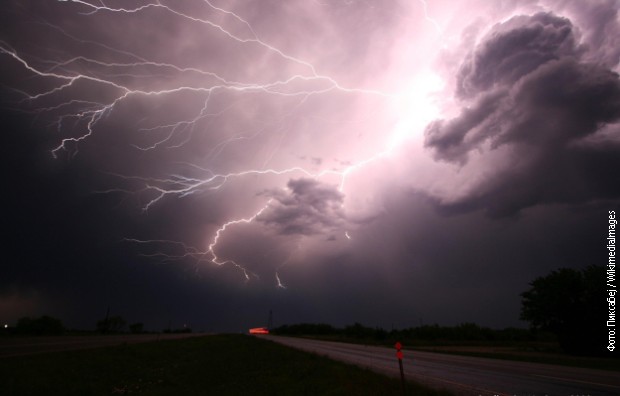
x: 280, y: 284
x: 221, y: 230
x: 64, y: 77
x: 428, y: 18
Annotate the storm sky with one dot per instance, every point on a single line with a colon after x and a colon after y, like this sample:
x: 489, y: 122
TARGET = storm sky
x: 394, y: 163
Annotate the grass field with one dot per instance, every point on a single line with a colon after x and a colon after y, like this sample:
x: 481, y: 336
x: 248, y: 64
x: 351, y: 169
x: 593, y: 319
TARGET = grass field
x: 210, y: 365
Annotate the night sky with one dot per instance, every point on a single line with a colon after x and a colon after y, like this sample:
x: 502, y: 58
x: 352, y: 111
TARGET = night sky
x: 394, y: 163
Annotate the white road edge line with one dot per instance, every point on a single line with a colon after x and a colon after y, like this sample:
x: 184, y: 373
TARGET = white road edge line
x: 578, y: 381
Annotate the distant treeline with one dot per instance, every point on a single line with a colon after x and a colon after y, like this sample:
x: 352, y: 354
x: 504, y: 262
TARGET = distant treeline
x: 48, y: 325
x: 45, y: 325
x: 469, y: 332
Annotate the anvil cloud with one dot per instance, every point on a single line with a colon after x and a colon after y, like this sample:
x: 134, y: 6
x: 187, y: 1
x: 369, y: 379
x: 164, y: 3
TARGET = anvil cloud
x: 384, y: 162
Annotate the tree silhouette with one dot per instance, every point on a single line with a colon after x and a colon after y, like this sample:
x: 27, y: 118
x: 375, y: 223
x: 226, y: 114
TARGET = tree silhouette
x: 572, y: 305
x: 136, y: 328
x: 112, y: 324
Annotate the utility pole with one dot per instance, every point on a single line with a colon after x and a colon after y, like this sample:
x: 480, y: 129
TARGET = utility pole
x: 270, y: 322
x: 106, y: 323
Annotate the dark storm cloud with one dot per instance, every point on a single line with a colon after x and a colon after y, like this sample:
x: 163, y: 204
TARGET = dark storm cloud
x: 534, y: 95
x: 448, y: 137
x: 307, y: 207
x: 603, y: 29
x: 513, y: 50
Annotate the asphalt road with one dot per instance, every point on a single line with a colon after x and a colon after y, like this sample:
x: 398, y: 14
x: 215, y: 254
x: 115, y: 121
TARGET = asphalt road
x: 19, y: 346
x: 466, y: 375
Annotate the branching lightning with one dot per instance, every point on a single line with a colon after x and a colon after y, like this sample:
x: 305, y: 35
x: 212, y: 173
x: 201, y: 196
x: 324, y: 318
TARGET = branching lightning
x: 106, y: 75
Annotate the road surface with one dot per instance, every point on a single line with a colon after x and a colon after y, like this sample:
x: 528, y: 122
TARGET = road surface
x: 18, y: 346
x: 466, y: 375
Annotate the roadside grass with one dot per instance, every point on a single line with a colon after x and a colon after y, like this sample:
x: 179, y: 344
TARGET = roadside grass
x: 210, y: 365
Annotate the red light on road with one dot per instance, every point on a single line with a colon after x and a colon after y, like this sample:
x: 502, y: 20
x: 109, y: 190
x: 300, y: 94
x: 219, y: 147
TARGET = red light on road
x: 399, y: 355
x: 259, y: 330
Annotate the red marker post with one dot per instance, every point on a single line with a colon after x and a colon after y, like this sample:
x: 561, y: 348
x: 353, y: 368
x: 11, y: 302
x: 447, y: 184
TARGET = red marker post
x: 399, y: 355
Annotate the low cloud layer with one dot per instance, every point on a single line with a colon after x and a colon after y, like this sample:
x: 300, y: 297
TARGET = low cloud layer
x: 307, y: 207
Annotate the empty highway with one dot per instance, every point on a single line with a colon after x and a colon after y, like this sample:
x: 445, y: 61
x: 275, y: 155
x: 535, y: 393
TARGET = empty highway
x: 466, y: 375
